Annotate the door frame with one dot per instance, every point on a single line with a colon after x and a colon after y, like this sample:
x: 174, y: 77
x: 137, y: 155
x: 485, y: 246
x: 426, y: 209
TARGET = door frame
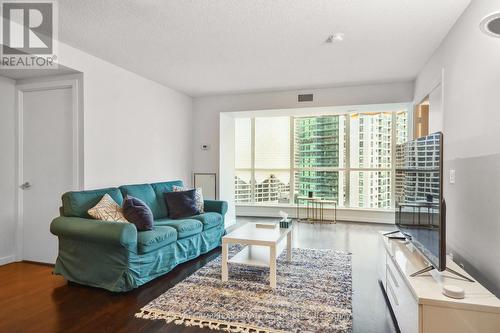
x: 437, y: 82
x: 77, y: 138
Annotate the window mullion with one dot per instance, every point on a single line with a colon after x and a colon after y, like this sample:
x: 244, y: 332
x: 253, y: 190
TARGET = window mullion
x: 292, y: 160
x: 252, y: 163
x: 347, y: 160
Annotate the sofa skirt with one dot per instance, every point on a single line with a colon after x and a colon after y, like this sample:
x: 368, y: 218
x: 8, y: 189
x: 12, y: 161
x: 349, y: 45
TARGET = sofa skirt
x: 118, y: 269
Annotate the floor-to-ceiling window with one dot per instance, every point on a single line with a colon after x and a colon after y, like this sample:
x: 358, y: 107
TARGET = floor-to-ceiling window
x: 343, y: 157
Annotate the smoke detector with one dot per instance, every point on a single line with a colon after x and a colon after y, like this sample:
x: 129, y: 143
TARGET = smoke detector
x: 336, y: 37
x: 490, y: 25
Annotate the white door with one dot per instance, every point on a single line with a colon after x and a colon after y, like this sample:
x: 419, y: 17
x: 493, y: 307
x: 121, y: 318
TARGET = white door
x: 47, y: 167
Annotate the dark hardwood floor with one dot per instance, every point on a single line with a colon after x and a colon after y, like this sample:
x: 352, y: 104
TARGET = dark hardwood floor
x: 34, y: 300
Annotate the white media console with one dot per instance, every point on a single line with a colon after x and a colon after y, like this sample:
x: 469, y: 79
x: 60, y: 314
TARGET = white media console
x: 418, y: 302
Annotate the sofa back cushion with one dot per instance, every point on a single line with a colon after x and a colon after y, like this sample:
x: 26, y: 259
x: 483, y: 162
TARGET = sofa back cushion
x: 152, y: 195
x: 143, y: 192
x: 159, y: 189
x: 77, y: 203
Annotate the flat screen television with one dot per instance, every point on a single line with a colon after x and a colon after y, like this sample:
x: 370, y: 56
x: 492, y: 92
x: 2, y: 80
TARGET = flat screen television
x: 420, y: 206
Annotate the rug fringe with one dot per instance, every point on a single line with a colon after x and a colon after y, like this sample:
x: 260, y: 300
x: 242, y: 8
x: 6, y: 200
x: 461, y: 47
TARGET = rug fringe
x: 201, y: 323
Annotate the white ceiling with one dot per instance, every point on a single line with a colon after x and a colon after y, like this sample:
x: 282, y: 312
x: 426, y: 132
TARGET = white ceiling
x: 204, y: 47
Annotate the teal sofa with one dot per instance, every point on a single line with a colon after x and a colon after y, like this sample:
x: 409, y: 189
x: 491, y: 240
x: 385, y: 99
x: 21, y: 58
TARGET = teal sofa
x: 114, y: 255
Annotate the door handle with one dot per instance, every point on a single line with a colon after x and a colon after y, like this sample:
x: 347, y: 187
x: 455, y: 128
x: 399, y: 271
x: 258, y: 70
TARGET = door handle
x: 25, y: 186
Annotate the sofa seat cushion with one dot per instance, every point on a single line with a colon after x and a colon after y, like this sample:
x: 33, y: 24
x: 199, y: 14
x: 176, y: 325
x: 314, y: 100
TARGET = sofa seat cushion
x: 159, y: 236
x: 184, y: 227
x: 210, y: 220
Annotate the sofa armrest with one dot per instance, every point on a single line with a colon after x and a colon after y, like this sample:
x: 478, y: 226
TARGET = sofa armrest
x: 216, y: 206
x: 94, y: 231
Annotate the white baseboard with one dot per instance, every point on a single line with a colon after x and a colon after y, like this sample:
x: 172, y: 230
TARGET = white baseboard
x: 7, y: 260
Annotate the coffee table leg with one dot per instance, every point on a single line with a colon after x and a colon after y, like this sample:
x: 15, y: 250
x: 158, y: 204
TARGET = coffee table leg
x: 289, y: 246
x: 272, y: 265
x: 224, y: 262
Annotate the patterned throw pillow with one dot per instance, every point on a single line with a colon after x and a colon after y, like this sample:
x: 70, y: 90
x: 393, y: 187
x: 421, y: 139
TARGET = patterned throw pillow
x: 107, y: 210
x: 198, y: 196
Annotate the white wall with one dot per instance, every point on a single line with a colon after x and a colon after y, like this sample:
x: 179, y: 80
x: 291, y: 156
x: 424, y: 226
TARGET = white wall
x: 136, y: 130
x: 471, y: 106
x: 341, y: 214
x: 7, y: 170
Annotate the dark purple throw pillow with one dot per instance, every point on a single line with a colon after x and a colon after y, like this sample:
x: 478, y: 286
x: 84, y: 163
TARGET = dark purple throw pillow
x: 138, y: 213
x: 181, y: 204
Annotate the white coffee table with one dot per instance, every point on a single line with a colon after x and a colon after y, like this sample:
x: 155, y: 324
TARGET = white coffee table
x: 260, y: 250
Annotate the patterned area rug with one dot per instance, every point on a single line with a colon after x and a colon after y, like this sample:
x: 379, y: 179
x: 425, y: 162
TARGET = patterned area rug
x: 314, y: 294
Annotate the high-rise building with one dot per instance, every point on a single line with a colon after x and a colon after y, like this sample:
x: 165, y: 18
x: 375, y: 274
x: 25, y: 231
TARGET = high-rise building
x: 371, y: 136
x: 401, y: 127
x: 242, y: 190
x: 271, y: 189
x: 318, y: 143
x: 418, y: 164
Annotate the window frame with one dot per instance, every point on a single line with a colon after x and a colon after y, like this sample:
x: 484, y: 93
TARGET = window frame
x: 346, y: 169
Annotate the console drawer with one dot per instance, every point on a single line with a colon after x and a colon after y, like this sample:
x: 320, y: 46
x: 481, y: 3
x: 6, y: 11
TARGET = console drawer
x: 403, y: 302
x: 418, y: 304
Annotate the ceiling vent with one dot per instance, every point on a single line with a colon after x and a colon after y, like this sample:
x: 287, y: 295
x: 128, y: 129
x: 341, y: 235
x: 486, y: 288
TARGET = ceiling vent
x: 490, y: 25
x: 305, y: 97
